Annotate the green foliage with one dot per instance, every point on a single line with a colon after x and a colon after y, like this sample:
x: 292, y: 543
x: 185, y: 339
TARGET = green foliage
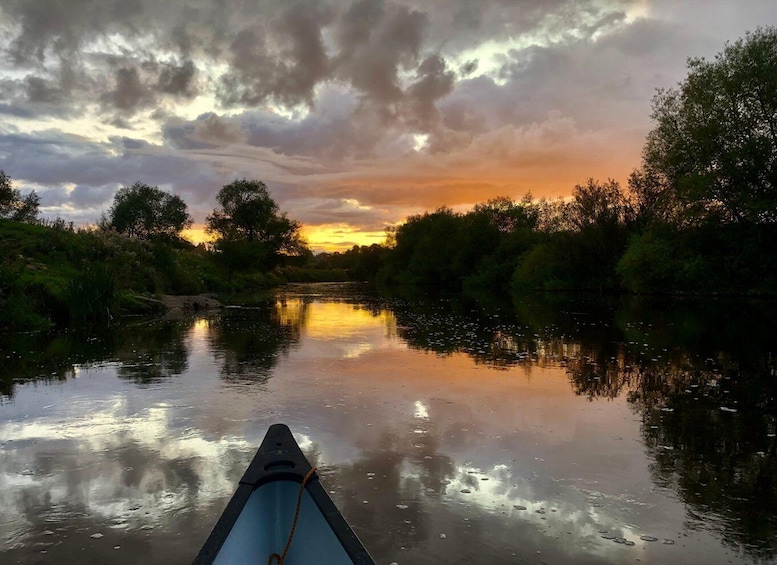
x: 14, y: 206
x: 16, y: 308
x: 360, y: 263
x: 428, y: 251
x: 47, y: 273
x: 713, y: 152
x: 544, y: 267
x: 91, y: 296
x: 145, y: 212
x: 653, y: 262
x: 250, y: 227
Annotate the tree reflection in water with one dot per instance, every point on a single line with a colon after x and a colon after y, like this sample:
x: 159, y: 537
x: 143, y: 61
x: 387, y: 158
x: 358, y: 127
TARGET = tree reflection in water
x: 702, y: 375
x: 247, y: 343
x: 145, y: 352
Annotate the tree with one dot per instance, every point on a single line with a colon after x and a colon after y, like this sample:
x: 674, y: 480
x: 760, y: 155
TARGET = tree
x: 144, y: 212
x: 249, y: 219
x: 597, y: 206
x: 507, y: 216
x: 428, y: 251
x: 14, y: 206
x: 599, y: 217
x: 714, y: 147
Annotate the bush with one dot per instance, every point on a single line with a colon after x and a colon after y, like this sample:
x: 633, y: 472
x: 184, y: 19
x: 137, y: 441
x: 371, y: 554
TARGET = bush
x: 542, y: 268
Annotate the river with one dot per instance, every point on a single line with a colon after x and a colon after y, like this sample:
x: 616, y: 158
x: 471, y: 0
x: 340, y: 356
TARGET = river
x: 554, y: 430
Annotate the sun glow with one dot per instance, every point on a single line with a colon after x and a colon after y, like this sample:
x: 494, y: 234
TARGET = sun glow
x: 197, y: 234
x: 339, y: 237
x: 325, y: 237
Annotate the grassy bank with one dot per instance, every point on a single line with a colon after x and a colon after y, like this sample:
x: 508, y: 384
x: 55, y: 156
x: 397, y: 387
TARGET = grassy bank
x: 55, y: 275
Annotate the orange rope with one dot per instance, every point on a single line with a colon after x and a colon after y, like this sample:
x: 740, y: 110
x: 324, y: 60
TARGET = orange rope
x: 282, y: 556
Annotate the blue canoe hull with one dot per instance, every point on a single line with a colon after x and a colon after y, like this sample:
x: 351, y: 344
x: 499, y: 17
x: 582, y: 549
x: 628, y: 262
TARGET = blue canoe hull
x: 259, y: 517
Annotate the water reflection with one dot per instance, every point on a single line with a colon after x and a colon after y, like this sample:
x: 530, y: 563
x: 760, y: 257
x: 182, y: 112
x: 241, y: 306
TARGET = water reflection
x: 448, y: 432
x: 248, y: 342
x: 700, y: 376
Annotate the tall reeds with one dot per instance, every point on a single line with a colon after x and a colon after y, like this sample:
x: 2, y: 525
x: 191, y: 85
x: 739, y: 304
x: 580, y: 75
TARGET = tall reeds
x: 91, y: 296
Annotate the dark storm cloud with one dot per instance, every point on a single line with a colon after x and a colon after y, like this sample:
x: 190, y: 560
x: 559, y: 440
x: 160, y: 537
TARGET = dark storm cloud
x: 129, y: 92
x: 208, y: 130
x: 178, y: 80
x: 376, y: 41
x: 434, y: 81
x: 284, y: 70
x: 40, y: 90
x: 60, y: 27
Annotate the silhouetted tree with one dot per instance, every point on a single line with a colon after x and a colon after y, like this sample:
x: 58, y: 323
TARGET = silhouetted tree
x: 14, y: 206
x: 250, y: 227
x: 144, y: 211
x: 714, y: 147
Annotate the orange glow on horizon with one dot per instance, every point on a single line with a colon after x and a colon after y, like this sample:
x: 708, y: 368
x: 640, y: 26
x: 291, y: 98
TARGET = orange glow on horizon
x: 197, y: 234
x: 325, y: 237
x: 338, y: 237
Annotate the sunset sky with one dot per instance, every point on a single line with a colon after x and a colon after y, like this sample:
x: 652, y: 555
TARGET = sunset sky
x: 355, y: 113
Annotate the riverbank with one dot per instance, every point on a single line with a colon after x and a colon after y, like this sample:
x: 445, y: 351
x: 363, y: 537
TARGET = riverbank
x: 54, y: 275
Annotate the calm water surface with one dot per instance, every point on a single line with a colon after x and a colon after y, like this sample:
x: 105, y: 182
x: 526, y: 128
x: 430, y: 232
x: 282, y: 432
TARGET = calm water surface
x: 569, y: 431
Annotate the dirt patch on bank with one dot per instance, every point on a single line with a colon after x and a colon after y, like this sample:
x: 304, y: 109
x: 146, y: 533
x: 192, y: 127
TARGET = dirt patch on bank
x: 195, y: 303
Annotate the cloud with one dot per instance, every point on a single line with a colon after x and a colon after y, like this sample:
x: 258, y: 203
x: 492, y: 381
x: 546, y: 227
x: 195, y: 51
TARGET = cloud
x: 355, y: 112
x: 129, y: 92
x: 51, y: 162
x: 280, y: 61
x: 178, y: 80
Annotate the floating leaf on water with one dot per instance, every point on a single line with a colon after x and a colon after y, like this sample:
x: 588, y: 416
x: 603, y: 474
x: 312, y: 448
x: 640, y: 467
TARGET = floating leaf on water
x: 519, y: 507
x: 608, y: 536
x: 648, y: 538
x: 465, y: 491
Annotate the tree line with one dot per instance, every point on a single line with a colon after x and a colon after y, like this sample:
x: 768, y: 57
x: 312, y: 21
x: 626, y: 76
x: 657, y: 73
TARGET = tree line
x: 248, y: 228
